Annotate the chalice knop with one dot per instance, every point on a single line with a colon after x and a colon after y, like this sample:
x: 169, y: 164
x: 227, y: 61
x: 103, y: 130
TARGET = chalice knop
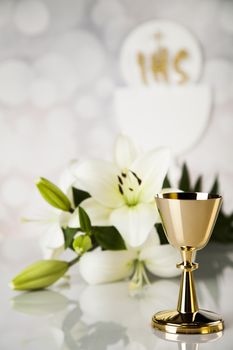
x: 188, y: 219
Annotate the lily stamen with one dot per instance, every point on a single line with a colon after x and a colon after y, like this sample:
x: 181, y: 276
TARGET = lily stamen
x: 138, y: 179
x: 121, y: 190
x: 129, y: 187
x: 120, y: 180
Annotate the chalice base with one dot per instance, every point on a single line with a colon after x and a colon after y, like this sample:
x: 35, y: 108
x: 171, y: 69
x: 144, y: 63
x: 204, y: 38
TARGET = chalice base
x: 199, y: 322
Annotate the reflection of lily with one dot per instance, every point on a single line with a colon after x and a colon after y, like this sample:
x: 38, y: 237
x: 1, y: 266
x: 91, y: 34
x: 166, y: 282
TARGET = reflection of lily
x: 108, y: 266
x: 123, y: 191
x: 104, y: 317
x: 72, y: 328
x: 111, y: 303
x: 99, y: 335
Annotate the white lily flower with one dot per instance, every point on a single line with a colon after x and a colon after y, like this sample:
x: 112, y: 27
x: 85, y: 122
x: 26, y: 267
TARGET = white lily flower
x: 109, y: 266
x: 123, y: 191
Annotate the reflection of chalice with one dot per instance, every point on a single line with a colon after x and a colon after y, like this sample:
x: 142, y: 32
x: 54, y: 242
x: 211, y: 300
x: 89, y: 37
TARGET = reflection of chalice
x: 187, y: 342
x: 188, y: 220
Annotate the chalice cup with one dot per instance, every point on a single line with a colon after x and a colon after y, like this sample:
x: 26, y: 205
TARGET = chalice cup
x: 188, y: 219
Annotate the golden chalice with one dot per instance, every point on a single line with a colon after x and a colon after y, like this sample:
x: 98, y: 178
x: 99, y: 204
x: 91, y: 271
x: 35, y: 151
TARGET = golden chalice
x: 188, y: 219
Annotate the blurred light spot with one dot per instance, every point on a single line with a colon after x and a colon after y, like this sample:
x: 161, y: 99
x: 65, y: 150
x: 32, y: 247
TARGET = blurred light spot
x: 84, y: 53
x: 65, y: 14
x: 87, y: 107
x: 116, y: 31
x: 5, y: 12
x: 106, y: 10
x: 60, y: 137
x: 7, y: 145
x: 24, y: 125
x: 31, y: 17
x: 15, y: 78
x: 105, y: 87
x: 100, y: 141
x: 3, y: 214
x: 43, y: 93
x: 14, y: 191
x: 61, y: 119
x: 57, y: 68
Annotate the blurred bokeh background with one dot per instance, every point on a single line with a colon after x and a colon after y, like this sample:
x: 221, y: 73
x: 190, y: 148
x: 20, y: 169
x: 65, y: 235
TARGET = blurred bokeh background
x: 59, y: 69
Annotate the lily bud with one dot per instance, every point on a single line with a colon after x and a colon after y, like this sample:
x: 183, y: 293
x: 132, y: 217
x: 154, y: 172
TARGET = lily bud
x: 82, y: 244
x: 53, y: 195
x: 40, y: 275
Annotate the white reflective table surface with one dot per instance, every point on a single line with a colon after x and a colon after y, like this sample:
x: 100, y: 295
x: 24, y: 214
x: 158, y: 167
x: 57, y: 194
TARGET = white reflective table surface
x: 73, y: 315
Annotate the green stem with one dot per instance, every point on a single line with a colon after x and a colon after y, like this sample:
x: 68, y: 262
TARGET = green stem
x: 146, y: 279
x: 74, y: 261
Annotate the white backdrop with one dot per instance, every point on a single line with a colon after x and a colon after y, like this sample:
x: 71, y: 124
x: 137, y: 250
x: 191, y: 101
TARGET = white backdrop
x: 59, y: 69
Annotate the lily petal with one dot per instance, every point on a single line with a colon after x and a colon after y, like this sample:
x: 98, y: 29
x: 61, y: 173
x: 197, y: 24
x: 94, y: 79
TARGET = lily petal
x: 52, y: 243
x: 74, y: 219
x: 125, y: 152
x: 152, y: 240
x: 106, y: 266
x: 67, y: 177
x: 134, y: 223
x: 152, y: 168
x: 161, y: 260
x: 98, y: 213
x: 99, y: 178
x: 64, y: 218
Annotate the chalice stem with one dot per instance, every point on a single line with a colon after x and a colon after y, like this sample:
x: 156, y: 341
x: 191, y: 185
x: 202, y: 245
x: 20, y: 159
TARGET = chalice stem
x: 187, y: 302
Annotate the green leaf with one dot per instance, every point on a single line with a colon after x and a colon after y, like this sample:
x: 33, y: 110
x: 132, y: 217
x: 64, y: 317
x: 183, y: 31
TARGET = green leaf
x: 198, y: 185
x: 40, y: 275
x: 69, y: 234
x: 53, y: 195
x: 184, y: 183
x: 79, y: 196
x: 215, y: 187
x: 161, y: 233
x: 85, y: 222
x: 108, y: 237
x: 166, y: 183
